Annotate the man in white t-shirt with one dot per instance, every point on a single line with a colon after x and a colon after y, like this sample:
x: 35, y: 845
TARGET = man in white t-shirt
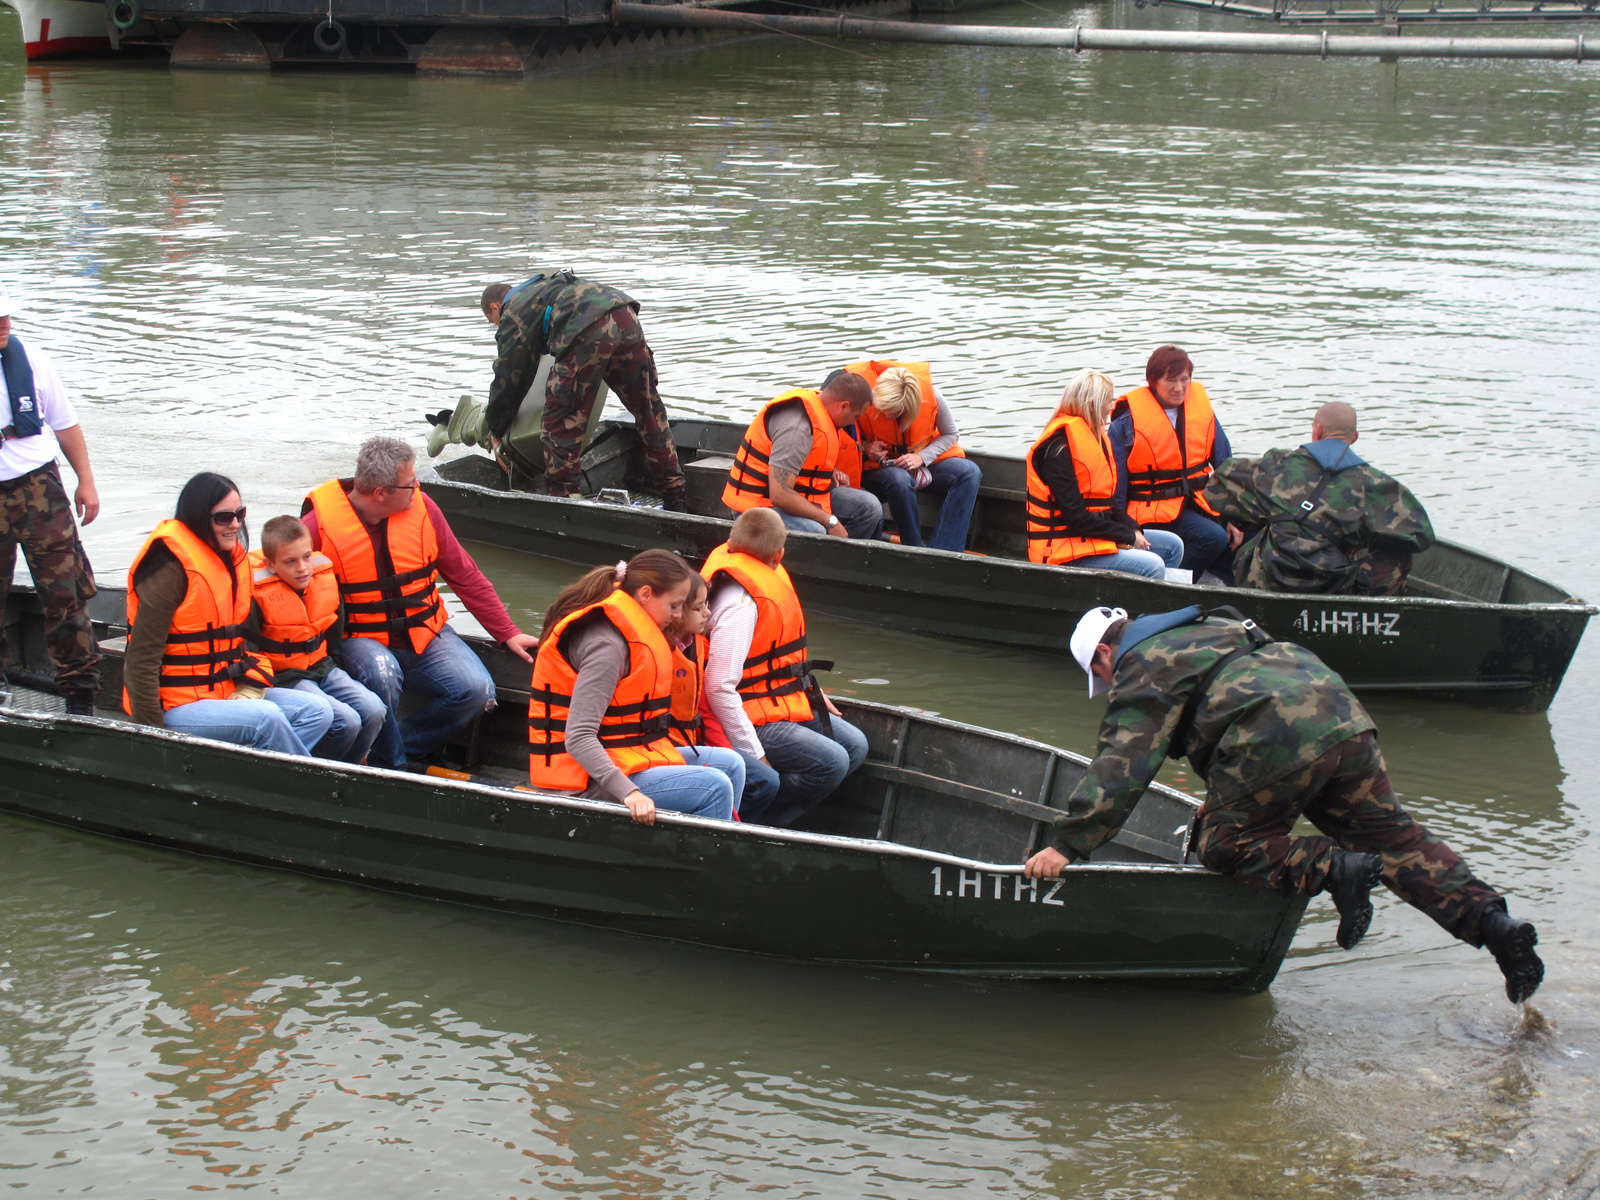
x: 36, y: 514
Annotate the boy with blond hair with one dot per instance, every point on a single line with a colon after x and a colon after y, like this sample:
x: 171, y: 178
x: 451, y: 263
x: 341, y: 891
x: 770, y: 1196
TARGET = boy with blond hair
x: 758, y: 682
x: 297, y: 623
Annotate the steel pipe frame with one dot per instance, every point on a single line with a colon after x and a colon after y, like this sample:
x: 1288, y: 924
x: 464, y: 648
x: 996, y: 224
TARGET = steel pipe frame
x: 1079, y: 37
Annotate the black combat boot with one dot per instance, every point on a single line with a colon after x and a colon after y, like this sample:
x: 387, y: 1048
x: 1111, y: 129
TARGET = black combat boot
x: 1350, y: 881
x: 1511, y: 942
x: 79, y: 703
x: 676, y: 500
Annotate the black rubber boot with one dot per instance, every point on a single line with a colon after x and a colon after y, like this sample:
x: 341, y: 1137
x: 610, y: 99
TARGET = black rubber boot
x: 1350, y: 882
x: 676, y: 500
x: 1511, y: 942
x: 79, y: 704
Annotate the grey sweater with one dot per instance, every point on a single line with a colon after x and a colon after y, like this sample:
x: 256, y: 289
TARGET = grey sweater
x: 599, y: 654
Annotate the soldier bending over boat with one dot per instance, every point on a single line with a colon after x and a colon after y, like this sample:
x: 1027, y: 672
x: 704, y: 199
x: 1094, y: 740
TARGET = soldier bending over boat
x: 592, y: 332
x: 1318, y: 518
x: 1275, y: 735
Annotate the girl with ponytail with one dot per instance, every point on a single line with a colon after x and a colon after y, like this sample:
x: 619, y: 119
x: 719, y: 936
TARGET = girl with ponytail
x: 599, y: 721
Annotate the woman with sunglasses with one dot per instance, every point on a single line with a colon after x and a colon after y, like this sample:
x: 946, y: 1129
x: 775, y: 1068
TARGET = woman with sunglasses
x: 186, y: 666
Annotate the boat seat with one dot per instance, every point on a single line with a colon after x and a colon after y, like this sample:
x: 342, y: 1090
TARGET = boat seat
x: 706, y: 478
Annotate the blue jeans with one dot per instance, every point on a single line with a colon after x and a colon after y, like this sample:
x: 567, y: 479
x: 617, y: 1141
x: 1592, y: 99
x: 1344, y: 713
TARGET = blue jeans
x: 859, y: 512
x: 1205, y: 541
x: 358, y: 715
x: 285, y: 721
x: 956, y: 478
x: 1166, y: 550
x: 760, y: 785
x: 810, y: 765
x: 705, y: 787
x: 455, y: 687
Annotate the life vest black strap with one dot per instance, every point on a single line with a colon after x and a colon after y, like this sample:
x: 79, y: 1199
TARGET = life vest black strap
x: 211, y: 633
x: 778, y: 651
x: 389, y: 581
x: 273, y: 646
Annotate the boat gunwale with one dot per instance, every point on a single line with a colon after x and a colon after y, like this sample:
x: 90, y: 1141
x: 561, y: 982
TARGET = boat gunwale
x: 1574, y: 606
x: 872, y: 847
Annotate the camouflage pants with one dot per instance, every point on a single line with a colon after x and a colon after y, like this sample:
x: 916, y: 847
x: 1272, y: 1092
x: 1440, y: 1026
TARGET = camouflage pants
x: 1346, y: 794
x: 612, y: 349
x: 36, y: 515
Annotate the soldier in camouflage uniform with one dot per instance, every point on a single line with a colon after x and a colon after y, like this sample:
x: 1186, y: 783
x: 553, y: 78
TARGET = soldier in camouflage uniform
x: 1276, y: 735
x: 36, y: 514
x: 1319, y: 519
x: 592, y: 331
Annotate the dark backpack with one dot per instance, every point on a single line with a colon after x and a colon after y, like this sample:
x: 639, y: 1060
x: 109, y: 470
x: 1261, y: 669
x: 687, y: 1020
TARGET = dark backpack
x: 1296, y: 555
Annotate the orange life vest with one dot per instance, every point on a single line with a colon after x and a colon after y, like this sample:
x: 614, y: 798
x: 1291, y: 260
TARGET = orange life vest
x: 748, y: 482
x: 849, y: 460
x: 636, y: 725
x: 294, y: 625
x: 1161, y: 470
x: 776, y: 672
x: 688, y: 685
x: 1050, y: 538
x: 406, y: 602
x: 872, y: 424
x: 205, y: 656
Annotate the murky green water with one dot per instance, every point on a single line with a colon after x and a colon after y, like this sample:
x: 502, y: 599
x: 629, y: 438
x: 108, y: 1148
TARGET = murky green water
x: 253, y: 274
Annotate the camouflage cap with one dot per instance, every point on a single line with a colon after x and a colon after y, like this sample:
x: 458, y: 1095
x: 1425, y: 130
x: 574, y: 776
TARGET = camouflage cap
x: 1091, y: 627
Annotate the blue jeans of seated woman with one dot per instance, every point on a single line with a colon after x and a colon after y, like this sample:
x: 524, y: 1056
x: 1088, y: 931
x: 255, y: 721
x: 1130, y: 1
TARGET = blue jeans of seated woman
x: 453, y: 684
x: 957, y: 479
x: 810, y: 765
x: 1205, y: 542
x: 1166, y: 550
x: 358, y: 716
x: 286, y: 721
x: 705, y: 789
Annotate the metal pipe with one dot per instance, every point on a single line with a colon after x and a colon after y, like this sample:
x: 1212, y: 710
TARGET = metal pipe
x: 1082, y: 37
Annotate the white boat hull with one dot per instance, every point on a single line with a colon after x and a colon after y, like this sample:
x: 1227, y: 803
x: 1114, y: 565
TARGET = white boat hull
x: 51, y: 28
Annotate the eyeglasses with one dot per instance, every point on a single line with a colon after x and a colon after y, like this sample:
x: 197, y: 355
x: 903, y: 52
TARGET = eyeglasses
x: 228, y: 516
x: 404, y: 487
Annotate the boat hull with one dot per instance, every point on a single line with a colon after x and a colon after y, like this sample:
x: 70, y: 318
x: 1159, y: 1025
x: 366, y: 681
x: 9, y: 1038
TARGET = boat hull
x: 819, y: 898
x: 61, y: 28
x: 1501, y: 655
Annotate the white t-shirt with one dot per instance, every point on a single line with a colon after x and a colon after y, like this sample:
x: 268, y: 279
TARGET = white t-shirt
x: 729, y: 633
x: 18, y: 456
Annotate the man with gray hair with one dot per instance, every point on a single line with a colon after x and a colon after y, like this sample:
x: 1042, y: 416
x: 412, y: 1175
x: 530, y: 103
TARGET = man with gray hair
x: 390, y: 545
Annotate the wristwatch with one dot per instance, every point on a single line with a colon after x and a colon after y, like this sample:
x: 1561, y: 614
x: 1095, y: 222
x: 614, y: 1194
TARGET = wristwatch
x: 832, y: 520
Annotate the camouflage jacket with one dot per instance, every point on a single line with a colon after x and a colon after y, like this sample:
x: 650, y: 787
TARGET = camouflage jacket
x: 1266, y: 716
x: 1359, y: 537
x: 543, y: 315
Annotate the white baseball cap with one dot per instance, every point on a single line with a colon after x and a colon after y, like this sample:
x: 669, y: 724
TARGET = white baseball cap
x: 1091, y: 627
x: 6, y: 306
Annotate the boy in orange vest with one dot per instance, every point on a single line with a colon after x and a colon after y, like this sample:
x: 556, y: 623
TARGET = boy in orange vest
x: 758, y: 685
x: 297, y: 623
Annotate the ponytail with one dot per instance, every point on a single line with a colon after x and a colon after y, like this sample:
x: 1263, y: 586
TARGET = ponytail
x: 658, y: 570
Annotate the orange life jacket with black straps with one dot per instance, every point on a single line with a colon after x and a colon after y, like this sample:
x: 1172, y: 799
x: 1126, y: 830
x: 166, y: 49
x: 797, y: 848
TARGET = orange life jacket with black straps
x: 294, y: 625
x: 688, y: 686
x: 873, y: 425
x: 776, y: 676
x: 635, y: 730
x: 405, y: 603
x: 205, y: 658
x: 1162, y: 470
x: 1050, y: 537
x: 748, y: 482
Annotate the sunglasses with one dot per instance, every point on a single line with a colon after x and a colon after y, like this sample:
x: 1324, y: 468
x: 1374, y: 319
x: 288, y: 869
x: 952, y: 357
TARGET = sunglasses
x: 227, y: 516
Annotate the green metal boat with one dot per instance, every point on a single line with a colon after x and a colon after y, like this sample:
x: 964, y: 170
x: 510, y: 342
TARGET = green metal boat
x: 914, y: 864
x: 1471, y: 628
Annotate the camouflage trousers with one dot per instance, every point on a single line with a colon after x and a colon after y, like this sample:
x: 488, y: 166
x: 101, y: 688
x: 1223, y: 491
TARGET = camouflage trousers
x: 612, y: 349
x: 36, y: 515
x: 1346, y: 794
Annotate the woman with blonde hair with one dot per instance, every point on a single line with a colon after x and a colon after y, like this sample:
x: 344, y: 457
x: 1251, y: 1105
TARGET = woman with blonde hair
x: 1073, y: 517
x: 910, y: 443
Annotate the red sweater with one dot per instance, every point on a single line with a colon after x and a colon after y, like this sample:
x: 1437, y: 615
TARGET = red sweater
x: 455, y: 564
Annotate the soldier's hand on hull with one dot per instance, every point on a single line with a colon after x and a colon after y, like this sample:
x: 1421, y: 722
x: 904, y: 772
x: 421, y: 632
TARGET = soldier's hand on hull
x: 1047, y: 864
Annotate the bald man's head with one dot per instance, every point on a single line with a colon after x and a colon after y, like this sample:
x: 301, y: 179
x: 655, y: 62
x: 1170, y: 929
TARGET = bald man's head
x: 1335, y: 419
